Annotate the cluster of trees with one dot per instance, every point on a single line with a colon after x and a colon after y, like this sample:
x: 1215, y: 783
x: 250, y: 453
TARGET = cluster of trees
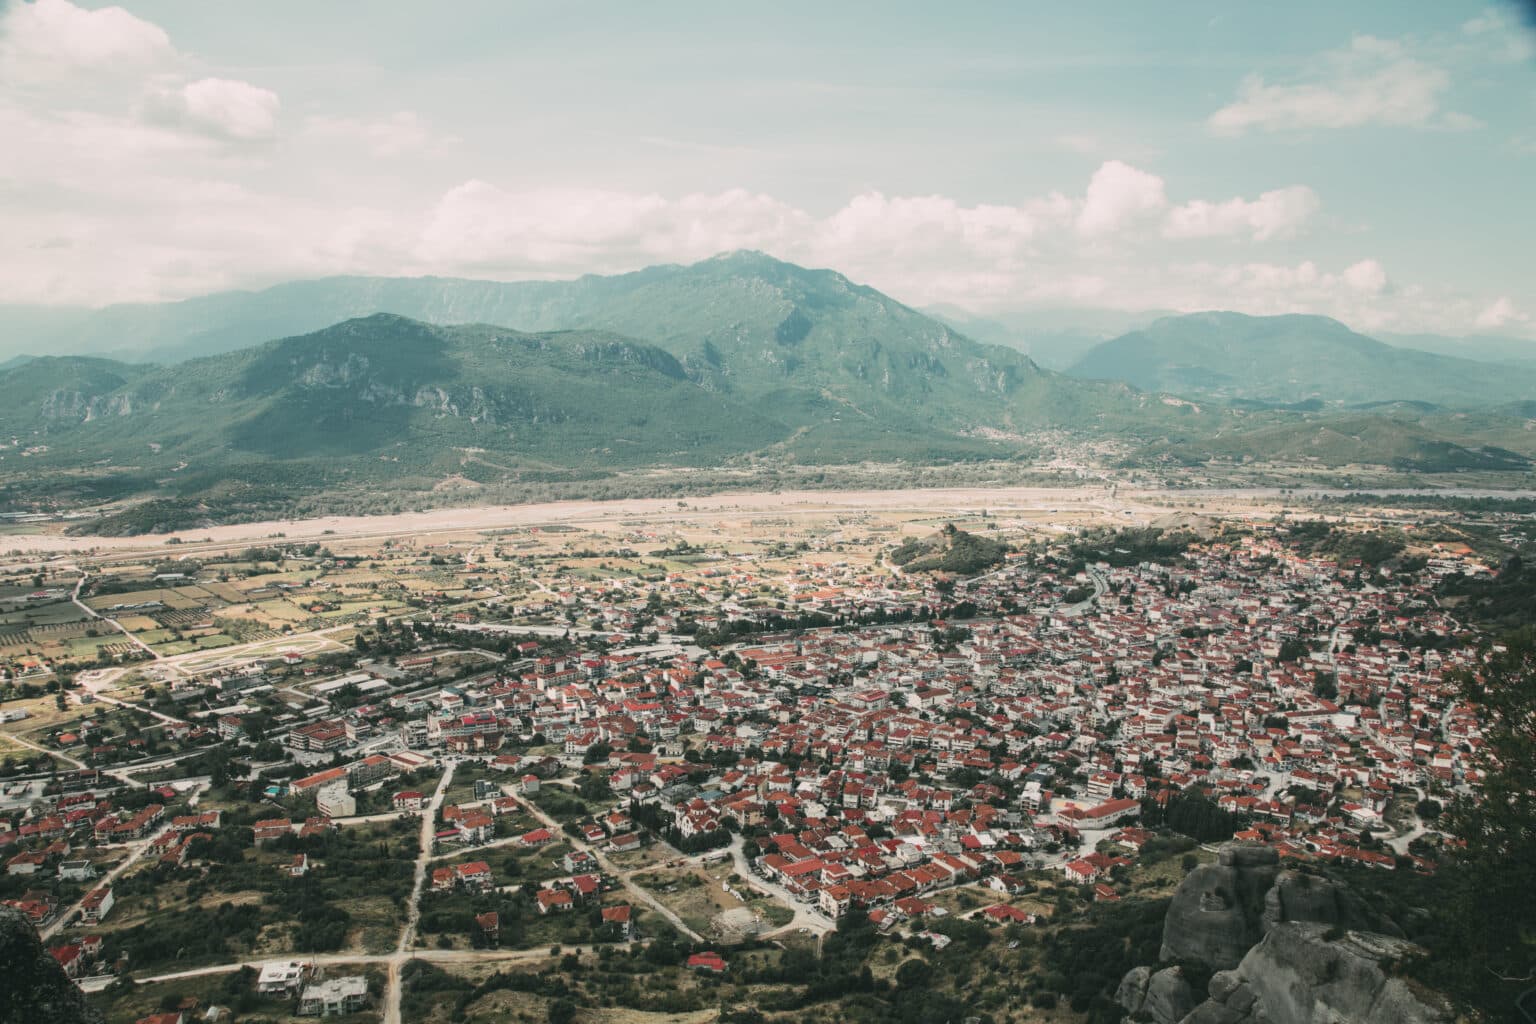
x: 1191, y: 813
x: 1085, y: 964
x: 1134, y: 546
x: 1371, y: 548
x: 954, y: 550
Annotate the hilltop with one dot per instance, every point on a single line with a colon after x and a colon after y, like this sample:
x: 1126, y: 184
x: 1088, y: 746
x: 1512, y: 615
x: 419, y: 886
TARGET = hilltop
x: 950, y: 550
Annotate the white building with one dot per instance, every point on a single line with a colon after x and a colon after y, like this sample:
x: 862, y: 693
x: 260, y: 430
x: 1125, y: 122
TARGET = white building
x: 334, y: 997
x: 282, y: 977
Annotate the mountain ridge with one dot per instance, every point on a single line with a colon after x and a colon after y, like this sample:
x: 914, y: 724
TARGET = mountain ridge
x: 1293, y: 358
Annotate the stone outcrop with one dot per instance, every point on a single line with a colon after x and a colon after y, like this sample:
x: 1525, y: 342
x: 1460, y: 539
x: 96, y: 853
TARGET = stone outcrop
x: 1286, y: 947
x: 1297, y: 975
x: 1296, y: 896
x: 1162, y: 997
x: 1217, y: 913
x: 34, y: 986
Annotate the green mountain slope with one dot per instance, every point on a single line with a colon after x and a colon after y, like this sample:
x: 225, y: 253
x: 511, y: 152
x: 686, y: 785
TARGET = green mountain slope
x: 390, y: 388
x: 1431, y: 443
x: 845, y: 363
x: 1287, y: 359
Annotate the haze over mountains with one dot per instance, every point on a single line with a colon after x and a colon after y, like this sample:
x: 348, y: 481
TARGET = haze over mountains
x: 1287, y: 359
x: 740, y: 357
x: 692, y: 366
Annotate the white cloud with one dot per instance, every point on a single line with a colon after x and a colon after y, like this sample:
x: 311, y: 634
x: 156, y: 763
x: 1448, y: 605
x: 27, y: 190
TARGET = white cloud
x: 52, y: 38
x: 1366, y: 276
x: 1373, y: 82
x: 1500, y: 313
x: 480, y: 226
x: 1119, y: 194
x: 218, y: 107
x: 1278, y: 213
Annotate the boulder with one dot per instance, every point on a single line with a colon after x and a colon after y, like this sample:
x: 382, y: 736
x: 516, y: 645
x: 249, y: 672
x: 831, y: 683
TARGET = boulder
x: 1217, y: 912
x: 1300, y: 974
x: 1169, y: 997
x: 1164, y: 997
x: 1297, y: 896
x: 1133, y: 989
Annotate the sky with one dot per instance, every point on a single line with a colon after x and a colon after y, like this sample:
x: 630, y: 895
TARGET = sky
x: 1370, y: 161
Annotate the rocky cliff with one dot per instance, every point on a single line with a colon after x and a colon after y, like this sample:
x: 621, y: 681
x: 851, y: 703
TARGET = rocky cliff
x: 1286, y: 947
x: 33, y: 987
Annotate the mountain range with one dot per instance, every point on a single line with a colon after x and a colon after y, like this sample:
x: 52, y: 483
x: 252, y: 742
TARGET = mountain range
x: 732, y: 361
x: 1290, y: 359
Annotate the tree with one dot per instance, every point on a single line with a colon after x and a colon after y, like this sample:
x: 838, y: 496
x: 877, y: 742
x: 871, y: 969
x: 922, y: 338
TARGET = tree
x: 1487, y: 954
x: 562, y: 1011
x: 914, y: 974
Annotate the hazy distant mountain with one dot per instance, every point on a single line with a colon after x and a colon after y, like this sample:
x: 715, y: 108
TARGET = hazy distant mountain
x: 738, y: 355
x: 741, y: 357
x: 1487, y: 348
x: 1053, y: 338
x: 1288, y: 359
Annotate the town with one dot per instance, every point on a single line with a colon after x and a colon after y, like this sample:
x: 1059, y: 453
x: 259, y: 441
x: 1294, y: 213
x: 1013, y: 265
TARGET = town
x: 506, y: 772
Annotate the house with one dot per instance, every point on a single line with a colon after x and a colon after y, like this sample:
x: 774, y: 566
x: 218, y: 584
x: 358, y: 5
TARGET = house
x: 489, y: 924
x: 96, y: 905
x: 334, y: 997
x: 620, y: 917
x: 1002, y: 913
x: 174, y: 1017
x: 476, y: 827
x: 442, y: 879
x: 26, y: 862
x: 538, y: 837
x: 554, y: 901
x: 709, y: 963
x: 282, y: 977
x: 475, y: 875
x: 299, y: 866
x: 269, y: 829
x: 409, y: 800
x: 69, y: 958
x: 835, y: 900
x: 579, y: 860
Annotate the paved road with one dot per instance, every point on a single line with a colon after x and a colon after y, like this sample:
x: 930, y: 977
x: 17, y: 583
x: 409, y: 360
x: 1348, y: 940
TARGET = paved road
x: 397, y: 960
x: 806, y: 916
x: 44, y: 750
x: 139, y: 849
x: 639, y: 892
x: 92, y: 613
x: 392, y: 960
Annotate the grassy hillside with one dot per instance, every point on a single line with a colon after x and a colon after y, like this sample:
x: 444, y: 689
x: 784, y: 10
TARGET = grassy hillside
x: 1434, y: 443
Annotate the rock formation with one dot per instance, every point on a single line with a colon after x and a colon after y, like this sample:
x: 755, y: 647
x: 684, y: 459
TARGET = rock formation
x: 33, y: 987
x: 1217, y: 913
x: 1221, y: 910
x: 1296, y: 975
x: 1287, y: 948
x: 1163, y: 997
